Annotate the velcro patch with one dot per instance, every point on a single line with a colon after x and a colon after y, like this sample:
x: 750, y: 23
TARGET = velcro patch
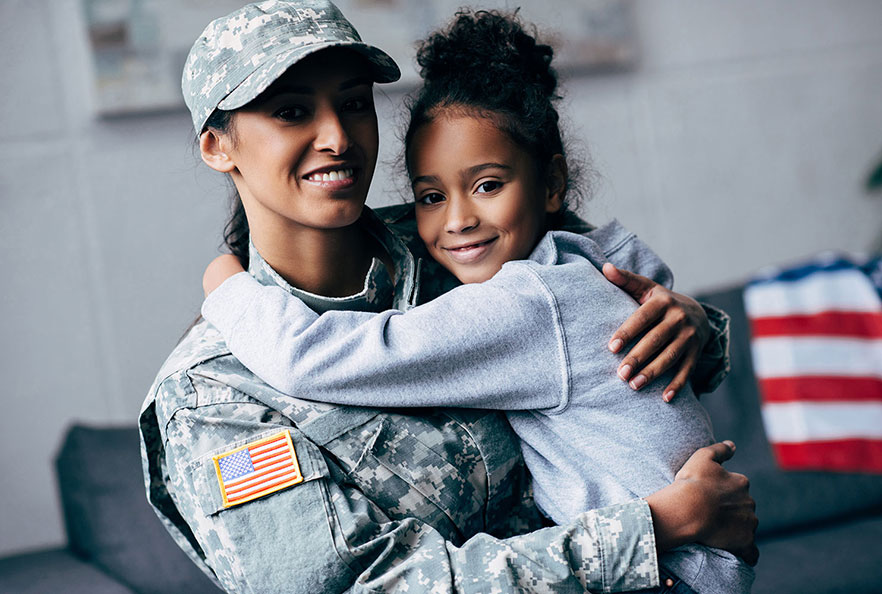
x: 257, y: 469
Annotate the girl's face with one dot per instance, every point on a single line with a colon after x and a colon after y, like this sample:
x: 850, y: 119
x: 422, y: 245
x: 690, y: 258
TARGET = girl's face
x: 303, y: 153
x: 479, y: 199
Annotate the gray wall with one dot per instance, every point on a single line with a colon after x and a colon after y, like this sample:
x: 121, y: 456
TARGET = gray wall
x: 740, y: 141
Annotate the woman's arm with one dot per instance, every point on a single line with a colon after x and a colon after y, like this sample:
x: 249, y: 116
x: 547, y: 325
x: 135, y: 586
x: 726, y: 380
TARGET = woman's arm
x: 707, y: 504
x: 324, y: 534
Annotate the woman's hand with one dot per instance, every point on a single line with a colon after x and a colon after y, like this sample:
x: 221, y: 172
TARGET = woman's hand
x: 675, y: 326
x: 219, y: 270
x: 707, y: 504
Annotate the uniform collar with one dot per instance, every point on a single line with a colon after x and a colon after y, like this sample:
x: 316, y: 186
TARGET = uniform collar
x: 378, y: 292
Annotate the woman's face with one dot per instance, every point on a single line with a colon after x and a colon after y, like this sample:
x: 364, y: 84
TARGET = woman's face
x: 479, y: 199
x: 304, y: 151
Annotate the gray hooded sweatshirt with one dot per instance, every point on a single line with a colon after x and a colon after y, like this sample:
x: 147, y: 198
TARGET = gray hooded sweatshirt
x: 530, y: 341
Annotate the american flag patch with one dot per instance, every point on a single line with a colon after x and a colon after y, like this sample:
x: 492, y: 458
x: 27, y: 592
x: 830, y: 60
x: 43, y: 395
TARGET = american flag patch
x: 257, y: 469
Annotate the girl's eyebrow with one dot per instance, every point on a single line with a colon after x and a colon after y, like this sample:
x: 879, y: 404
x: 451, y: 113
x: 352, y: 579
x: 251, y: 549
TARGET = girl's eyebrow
x: 465, y: 174
x: 428, y: 179
x: 476, y: 169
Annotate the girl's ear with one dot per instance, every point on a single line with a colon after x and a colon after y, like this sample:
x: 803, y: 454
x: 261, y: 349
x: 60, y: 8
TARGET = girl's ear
x: 212, y: 146
x: 556, y: 184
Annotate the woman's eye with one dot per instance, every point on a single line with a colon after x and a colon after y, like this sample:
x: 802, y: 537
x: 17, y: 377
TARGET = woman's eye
x: 357, y: 104
x: 429, y: 199
x: 488, y: 186
x: 290, y: 113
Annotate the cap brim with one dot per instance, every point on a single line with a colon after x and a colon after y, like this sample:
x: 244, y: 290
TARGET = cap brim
x: 383, y: 68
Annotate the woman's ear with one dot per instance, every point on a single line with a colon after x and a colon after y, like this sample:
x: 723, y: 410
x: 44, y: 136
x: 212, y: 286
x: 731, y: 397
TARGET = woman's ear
x: 556, y: 184
x: 212, y: 146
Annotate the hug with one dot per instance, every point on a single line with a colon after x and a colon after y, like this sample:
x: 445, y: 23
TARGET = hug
x: 464, y: 393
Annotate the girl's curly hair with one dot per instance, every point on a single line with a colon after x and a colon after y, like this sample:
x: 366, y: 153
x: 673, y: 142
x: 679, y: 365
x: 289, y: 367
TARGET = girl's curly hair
x: 487, y: 63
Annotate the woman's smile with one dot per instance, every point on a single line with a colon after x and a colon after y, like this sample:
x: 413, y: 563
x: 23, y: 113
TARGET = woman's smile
x: 334, y: 177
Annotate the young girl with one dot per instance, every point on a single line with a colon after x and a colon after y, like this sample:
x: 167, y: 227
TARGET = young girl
x: 487, y: 167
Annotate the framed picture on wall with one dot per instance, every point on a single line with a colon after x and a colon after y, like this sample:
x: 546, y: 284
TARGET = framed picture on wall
x: 139, y: 46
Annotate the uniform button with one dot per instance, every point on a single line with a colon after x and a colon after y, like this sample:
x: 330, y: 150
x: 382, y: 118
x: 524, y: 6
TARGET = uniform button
x: 669, y: 583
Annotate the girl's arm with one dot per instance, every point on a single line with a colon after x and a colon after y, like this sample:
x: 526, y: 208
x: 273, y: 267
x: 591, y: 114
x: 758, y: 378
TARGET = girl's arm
x: 501, y: 338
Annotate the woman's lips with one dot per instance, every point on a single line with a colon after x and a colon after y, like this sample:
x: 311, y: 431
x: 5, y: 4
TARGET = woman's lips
x: 467, y: 254
x: 333, y: 179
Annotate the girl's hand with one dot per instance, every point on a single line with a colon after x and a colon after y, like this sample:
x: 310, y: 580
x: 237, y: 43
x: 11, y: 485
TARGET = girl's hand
x: 675, y: 326
x: 219, y: 270
x: 707, y: 504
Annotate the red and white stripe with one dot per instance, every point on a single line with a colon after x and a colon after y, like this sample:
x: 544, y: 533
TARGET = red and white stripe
x: 274, y: 468
x: 817, y: 355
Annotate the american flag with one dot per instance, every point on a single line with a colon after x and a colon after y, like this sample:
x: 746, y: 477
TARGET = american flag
x: 817, y: 354
x: 257, y: 469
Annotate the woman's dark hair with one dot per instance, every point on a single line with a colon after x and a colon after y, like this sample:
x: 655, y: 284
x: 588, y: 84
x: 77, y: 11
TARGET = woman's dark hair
x: 236, y: 231
x: 486, y: 63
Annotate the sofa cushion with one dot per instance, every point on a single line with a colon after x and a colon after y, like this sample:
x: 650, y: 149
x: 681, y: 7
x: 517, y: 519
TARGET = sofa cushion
x: 108, y: 519
x: 839, y: 558
x: 56, y: 570
x: 785, y: 499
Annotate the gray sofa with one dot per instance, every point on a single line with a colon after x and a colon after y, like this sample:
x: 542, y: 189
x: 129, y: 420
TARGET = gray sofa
x: 115, y: 543
x: 819, y: 532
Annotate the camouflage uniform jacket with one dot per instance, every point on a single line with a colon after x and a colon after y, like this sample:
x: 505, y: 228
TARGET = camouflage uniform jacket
x: 380, y: 500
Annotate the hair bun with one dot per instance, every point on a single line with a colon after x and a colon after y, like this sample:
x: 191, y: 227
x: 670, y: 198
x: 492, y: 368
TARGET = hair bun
x: 493, y: 49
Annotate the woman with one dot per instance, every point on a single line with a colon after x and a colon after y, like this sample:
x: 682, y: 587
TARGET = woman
x: 358, y: 499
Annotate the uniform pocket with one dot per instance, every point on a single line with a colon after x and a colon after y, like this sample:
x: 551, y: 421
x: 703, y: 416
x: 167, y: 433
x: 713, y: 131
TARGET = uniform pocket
x: 407, y: 470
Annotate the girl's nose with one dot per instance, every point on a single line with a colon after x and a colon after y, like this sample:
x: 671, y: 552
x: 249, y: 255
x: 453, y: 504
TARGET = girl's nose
x: 330, y: 135
x: 461, y: 217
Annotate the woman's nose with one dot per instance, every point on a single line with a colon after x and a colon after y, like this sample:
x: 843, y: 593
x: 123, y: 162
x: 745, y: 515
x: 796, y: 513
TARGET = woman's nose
x: 461, y: 217
x: 331, y: 135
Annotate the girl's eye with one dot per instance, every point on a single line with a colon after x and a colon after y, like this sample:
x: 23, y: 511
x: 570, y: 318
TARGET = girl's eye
x: 290, y: 113
x: 488, y: 186
x: 432, y: 198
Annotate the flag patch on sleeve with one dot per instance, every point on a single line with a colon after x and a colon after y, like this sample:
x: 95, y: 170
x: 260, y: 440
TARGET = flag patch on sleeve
x: 257, y: 469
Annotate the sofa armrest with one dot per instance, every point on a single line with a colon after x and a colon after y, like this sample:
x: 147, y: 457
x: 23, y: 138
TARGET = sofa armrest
x: 55, y: 570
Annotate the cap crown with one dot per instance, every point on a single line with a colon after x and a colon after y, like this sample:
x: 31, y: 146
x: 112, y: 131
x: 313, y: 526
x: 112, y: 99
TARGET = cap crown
x: 239, y: 55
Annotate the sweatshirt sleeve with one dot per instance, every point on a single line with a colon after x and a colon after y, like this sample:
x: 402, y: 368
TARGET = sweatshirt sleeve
x: 496, y: 345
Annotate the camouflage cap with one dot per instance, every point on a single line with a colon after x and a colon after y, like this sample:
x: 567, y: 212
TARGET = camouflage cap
x: 239, y: 55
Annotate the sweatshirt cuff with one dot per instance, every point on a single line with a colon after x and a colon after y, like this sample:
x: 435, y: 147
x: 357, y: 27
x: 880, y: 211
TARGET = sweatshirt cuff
x: 626, y: 545
x: 224, y: 306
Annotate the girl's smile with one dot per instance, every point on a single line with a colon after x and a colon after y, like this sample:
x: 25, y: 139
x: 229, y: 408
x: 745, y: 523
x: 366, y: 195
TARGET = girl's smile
x: 470, y: 253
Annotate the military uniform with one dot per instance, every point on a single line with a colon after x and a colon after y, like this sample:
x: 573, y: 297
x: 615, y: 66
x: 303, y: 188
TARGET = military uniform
x: 384, y: 501
x: 268, y: 493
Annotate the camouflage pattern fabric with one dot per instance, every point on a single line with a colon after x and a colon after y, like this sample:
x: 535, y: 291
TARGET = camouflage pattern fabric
x: 427, y: 501
x: 239, y: 55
